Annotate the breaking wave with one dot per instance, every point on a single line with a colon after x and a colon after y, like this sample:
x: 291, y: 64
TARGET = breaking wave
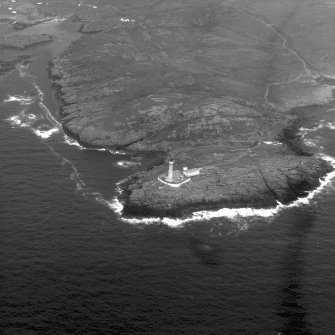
x: 322, y: 124
x: 27, y: 120
x: 126, y: 164
x: 272, y: 143
x: 45, y: 133
x: 117, y: 152
x: 70, y: 141
x: 21, y: 99
x: 22, y: 69
x: 56, y: 126
x: 230, y: 213
x: 44, y: 108
x: 22, y: 119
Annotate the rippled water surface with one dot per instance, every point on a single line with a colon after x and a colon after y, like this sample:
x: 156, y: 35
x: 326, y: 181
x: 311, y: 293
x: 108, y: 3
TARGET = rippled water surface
x: 69, y: 265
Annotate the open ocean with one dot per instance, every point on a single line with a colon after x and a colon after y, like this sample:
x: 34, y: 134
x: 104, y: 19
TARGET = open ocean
x: 71, y: 265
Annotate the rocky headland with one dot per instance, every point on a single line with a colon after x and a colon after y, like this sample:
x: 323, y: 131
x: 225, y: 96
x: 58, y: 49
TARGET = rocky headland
x: 208, y: 84
x: 211, y: 84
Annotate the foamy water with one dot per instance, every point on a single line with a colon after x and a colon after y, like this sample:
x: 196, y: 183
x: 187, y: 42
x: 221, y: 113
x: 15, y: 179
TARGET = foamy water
x: 127, y: 164
x: 44, y: 108
x: 45, y: 133
x: 126, y: 20
x: 17, y: 121
x: 272, y: 143
x: 311, y: 143
x: 303, y: 131
x: 28, y: 120
x: 21, y: 99
x: 51, y: 126
x: 70, y: 141
x: 22, y: 70
x: 117, y: 152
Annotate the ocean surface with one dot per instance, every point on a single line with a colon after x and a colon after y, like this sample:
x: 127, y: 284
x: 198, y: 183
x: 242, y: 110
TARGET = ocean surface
x: 70, y: 264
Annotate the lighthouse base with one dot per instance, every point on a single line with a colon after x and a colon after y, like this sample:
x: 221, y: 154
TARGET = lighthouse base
x: 177, y: 180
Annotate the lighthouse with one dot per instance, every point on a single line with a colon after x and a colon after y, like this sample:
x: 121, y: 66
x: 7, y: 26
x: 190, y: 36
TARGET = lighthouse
x: 169, y: 176
x: 173, y: 178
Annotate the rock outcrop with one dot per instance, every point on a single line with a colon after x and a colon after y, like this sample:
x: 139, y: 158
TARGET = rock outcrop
x: 23, y: 41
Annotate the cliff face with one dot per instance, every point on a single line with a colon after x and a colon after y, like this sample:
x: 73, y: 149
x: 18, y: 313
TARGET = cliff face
x: 201, y: 82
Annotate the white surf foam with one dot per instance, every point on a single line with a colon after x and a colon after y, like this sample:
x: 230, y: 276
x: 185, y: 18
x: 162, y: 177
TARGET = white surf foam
x: 70, y: 141
x: 127, y: 164
x: 126, y: 20
x: 324, y: 182
x: 117, y: 152
x: 57, y: 127
x: 22, y: 69
x: 45, y: 133
x: 22, y: 119
x: 304, y: 131
x: 272, y: 143
x: 31, y: 116
x: 310, y: 143
x: 330, y: 125
x: 54, y: 20
x: 323, y: 124
x: 28, y: 120
x: 114, y: 205
x: 230, y: 213
x: 44, y: 108
x: 17, y: 121
x: 97, y: 149
x: 21, y: 99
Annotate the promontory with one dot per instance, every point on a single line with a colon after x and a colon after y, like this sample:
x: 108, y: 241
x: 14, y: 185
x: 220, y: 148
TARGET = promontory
x: 212, y: 84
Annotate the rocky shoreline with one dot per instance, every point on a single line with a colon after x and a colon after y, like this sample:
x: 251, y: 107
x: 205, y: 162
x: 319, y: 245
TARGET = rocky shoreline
x: 164, y: 82
x: 158, y: 85
x: 234, y: 188
x: 211, y: 85
x: 272, y: 165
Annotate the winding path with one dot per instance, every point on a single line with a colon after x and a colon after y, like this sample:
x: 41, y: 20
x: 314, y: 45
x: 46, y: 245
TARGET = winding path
x: 308, y: 70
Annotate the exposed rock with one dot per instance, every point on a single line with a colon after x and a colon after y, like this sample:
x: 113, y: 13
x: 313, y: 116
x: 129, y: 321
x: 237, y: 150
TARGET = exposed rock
x: 25, y: 23
x: 23, y: 41
x: 259, y: 182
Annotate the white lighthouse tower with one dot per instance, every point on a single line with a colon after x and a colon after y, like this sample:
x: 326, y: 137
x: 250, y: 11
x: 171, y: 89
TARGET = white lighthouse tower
x: 169, y: 177
x: 173, y: 178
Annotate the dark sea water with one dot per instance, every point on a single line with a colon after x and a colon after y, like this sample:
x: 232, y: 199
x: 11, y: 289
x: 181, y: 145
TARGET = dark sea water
x: 70, y: 265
